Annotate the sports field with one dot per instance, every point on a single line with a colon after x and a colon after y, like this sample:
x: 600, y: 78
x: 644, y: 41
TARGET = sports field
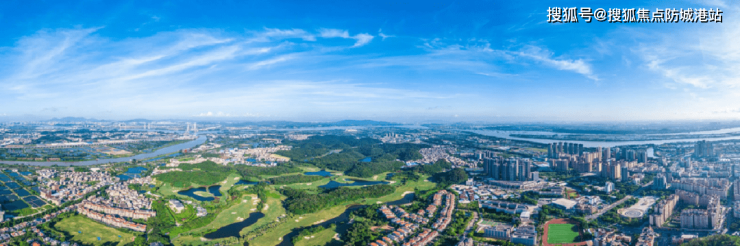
x: 562, y: 233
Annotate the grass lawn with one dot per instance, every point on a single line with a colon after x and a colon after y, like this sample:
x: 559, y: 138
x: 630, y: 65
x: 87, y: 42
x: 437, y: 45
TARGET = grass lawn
x: 274, y: 236
x: 561, y: 233
x: 229, y: 182
x: 275, y: 209
x: 166, y: 189
x: 91, y: 230
x: 229, y: 216
x: 318, y: 239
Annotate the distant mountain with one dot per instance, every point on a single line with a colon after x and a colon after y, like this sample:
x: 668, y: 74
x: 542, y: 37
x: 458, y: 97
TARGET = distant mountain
x: 138, y: 120
x: 362, y: 123
x: 74, y: 119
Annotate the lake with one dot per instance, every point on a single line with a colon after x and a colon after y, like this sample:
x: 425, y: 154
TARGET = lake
x: 191, y: 193
x: 133, y: 172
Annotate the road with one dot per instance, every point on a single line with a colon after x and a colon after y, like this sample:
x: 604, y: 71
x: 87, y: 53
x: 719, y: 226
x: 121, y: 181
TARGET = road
x: 470, y: 226
x: 596, y: 215
x: 607, y: 208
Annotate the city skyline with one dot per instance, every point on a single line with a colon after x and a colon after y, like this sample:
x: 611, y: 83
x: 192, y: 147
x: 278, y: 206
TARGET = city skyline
x: 407, y: 62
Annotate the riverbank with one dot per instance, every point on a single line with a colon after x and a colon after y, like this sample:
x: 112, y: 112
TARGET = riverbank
x: 166, y: 150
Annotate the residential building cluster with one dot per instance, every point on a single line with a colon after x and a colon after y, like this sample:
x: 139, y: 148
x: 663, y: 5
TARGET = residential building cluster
x: 511, y: 169
x: 606, y: 237
x: 157, y: 170
x: 7, y: 233
x: 96, y: 204
x: 438, y: 152
x: 396, y: 215
x: 647, y: 237
x: 703, y: 186
x: 711, y: 218
x: 74, y: 185
x: 121, y: 196
x: 663, y: 210
x: 110, y: 219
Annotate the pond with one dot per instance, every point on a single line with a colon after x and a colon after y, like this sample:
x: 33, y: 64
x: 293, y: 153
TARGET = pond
x: 22, y: 192
x: 232, y: 230
x: 334, y: 184
x: 128, y: 176
x: 15, y: 205
x: 191, y: 193
x: 322, y: 173
x: 133, y: 172
x: 137, y: 170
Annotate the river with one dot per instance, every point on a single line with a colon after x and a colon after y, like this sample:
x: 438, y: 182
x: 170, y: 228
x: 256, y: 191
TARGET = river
x: 162, y: 151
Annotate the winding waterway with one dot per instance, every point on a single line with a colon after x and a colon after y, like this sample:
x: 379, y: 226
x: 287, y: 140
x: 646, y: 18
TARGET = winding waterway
x: 162, y: 151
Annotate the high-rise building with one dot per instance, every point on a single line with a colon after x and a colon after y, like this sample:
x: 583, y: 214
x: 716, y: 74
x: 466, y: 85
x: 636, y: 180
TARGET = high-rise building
x: 703, y: 149
x: 625, y: 173
x: 660, y: 182
x: 512, y: 169
x: 642, y: 156
x: 631, y: 155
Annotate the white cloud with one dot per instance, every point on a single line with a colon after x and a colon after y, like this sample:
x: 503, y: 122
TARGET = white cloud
x: 544, y: 56
x: 268, y: 62
x: 383, y: 35
x: 702, y: 57
x: 274, y: 33
x: 173, y: 74
x: 362, y: 38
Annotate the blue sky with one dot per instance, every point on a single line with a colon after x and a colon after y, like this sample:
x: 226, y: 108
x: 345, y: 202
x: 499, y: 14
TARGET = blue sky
x: 413, y: 61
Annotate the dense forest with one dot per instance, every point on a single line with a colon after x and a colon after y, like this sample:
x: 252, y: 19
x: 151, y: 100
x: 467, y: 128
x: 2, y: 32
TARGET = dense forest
x: 302, y: 202
x: 454, y: 176
x: 433, y: 168
x: 209, y: 173
x: 363, y: 157
x: 203, y: 174
x: 251, y: 171
x: 715, y: 240
x: 292, y: 179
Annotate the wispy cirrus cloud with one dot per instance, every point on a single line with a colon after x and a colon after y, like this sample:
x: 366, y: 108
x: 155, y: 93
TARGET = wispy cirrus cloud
x: 171, y: 73
x: 361, y: 39
x: 546, y: 57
